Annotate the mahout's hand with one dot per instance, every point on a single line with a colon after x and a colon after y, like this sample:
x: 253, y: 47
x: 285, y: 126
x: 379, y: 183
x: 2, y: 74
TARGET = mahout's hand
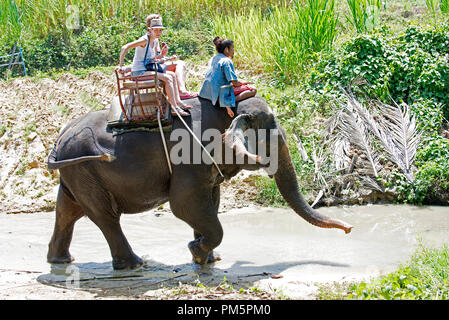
x: 230, y: 112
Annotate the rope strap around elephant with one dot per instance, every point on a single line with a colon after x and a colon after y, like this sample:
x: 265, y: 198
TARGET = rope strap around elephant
x: 163, y: 141
x: 197, y: 140
x: 118, y: 131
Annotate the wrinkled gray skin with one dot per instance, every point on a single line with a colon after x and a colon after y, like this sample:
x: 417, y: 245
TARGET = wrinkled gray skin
x: 102, y: 176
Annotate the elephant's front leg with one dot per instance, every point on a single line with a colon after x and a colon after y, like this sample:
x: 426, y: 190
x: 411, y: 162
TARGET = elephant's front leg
x: 213, y: 256
x: 198, y: 206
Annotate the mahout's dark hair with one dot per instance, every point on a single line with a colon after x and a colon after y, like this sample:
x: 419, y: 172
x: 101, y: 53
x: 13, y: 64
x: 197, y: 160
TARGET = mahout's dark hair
x: 222, y: 44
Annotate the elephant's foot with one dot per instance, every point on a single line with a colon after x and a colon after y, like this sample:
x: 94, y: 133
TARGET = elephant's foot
x: 213, y: 257
x: 127, y: 264
x: 58, y: 254
x: 201, y: 256
x: 67, y: 258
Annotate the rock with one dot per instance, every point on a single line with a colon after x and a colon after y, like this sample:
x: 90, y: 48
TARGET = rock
x: 32, y: 136
x: 33, y: 164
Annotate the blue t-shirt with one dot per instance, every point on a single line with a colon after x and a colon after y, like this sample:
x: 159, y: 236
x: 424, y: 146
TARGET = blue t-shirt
x: 221, y: 72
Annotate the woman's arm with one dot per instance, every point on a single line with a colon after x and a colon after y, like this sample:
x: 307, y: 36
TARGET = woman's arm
x: 163, y: 52
x: 129, y: 46
x: 236, y: 83
x: 229, y: 72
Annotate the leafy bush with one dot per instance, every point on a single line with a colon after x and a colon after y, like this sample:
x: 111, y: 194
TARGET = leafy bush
x: 431, y: 185
x: 409, y: 67
x: 100, y: 46
x: 432, y: 177
x: 429, y: 116
x: 414, y: 68
x: 187, y: 42
x: 269, y: 194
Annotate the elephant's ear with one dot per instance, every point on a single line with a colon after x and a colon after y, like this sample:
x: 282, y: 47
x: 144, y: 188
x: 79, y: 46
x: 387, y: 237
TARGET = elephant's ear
x: 234, y: 137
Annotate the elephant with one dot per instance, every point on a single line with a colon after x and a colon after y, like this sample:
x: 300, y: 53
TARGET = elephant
x: 103, y: 175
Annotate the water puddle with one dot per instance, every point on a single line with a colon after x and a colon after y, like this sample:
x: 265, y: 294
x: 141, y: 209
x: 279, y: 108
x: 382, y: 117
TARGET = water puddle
x: 258, y: 243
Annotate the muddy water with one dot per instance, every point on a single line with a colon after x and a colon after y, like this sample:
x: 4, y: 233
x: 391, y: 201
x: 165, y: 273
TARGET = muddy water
x: 258, y: 243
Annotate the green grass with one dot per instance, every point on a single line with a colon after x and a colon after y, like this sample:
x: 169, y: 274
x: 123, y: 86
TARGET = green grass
x: 425, y: 276
x: 282, y: 41
x: 3, y: 130
x: 435, y: 7
x: 23, y: 166
x: 444, y: 6
x: 364, y: 14
x: 277, y: 37
x: 269, y: 194
x: 43, y: 17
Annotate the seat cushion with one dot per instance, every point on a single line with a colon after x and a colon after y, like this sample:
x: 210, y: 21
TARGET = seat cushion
x: 142, y: 84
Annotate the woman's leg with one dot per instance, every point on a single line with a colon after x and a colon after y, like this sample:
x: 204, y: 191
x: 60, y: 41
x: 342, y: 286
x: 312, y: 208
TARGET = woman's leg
x: 171, y: 91
x: 176, y: 90
x: 245, y: 95
x: 175, y: 87
x: 181, y: 76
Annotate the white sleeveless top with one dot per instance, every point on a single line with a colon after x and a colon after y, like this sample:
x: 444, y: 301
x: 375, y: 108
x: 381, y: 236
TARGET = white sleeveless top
x: 139, y: 55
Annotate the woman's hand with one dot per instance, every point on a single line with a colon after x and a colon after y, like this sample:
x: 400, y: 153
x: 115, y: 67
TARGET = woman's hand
x: 164, y: 50
x: 120, y: 69
x: 236, y: 83
x: 230, y: 112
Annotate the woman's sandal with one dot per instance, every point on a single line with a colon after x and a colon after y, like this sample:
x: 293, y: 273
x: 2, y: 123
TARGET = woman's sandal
x: 181, y: 112
x: 189, y: 95
x: 184, y: 107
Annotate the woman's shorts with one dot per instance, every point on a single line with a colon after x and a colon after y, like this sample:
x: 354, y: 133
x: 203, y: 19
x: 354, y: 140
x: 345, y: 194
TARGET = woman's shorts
x: 137, y: 73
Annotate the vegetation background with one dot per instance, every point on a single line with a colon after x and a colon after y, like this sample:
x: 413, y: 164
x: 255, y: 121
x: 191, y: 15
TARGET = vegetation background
x: 301, y: 54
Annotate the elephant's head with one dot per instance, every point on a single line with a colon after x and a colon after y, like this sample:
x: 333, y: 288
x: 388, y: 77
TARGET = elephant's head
x: 258, y: 119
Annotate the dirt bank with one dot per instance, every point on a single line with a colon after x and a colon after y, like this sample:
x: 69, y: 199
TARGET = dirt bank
x: 32, y: 112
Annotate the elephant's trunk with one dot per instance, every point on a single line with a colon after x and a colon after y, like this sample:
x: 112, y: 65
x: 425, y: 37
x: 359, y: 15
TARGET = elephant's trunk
x: 288, y: 186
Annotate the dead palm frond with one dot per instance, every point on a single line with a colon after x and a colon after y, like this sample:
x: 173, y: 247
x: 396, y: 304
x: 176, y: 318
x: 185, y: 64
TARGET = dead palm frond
x: 331, y: 124
x: 319, y: 158
x: 353, y: 127
x: 341, y: 150
x: 395, y: 130
x: 401, y: 127
x: 371, y: 183
x: 300, y: 146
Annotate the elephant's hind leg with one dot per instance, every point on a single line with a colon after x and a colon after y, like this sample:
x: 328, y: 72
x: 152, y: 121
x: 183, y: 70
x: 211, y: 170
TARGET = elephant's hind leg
x: 98, y: 207
x: 67, y: 213
x: 123, y: 256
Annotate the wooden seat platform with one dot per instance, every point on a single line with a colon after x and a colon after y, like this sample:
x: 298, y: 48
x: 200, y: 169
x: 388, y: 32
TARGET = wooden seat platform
x: 116, y: 118
x: 140, y: 106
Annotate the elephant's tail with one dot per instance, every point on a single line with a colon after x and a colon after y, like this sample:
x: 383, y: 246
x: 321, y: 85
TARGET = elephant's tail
x: 54, y: 164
